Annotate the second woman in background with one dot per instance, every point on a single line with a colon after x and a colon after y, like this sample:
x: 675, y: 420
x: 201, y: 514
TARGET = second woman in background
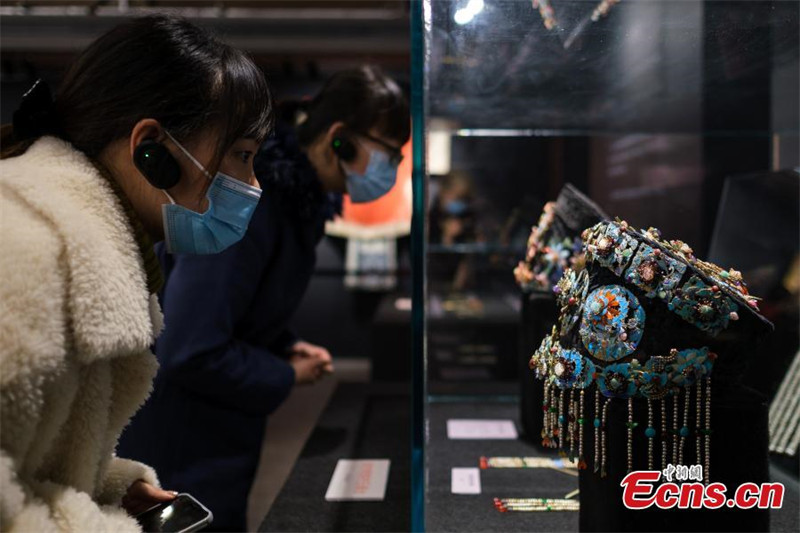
x: 228, y: 358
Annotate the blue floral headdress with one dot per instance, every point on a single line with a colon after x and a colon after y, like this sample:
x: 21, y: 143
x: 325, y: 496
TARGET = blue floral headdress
x: 555, y: 241
x: 633, y: 278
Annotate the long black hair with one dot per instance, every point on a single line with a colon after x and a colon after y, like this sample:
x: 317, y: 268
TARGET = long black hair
x: 363, y: 98
x: 161, y: 67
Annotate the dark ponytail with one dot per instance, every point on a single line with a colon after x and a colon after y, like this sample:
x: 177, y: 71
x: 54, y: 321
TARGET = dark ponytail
x: 364, y: 98
x: 160, y: 67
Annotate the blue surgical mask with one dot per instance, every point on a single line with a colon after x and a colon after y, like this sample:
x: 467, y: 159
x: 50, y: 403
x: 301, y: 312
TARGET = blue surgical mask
x: 231, y: 204
x: 456, y: 207
x: 376, y: 181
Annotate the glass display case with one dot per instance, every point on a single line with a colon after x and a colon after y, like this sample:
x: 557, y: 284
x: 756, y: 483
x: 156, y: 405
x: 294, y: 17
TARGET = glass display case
x: 650, y: 108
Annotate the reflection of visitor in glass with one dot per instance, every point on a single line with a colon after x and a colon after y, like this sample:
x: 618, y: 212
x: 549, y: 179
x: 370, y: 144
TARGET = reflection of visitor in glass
x: 452, y: 217
x: 453, y: 222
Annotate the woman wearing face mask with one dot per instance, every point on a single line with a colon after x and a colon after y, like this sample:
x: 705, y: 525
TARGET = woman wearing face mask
x: 143, y: 140
x: 229, y: 358
x: 452, y: 220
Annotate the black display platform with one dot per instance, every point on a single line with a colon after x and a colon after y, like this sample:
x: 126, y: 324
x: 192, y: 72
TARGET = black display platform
x: 371, y: 421
x: 445, y: 511
x: 738, y: 455
x: 539, y: 314
x: 362, y: 421
x: 473, y: 346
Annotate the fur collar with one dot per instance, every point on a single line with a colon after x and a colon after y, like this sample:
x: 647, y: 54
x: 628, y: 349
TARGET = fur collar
x: 108, y: 305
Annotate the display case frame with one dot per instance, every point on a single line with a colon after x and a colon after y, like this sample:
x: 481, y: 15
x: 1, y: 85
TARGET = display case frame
x: 679, y: 150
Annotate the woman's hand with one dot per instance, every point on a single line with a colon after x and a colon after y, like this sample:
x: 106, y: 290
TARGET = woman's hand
x: 318, y: 353
x: 307, y: 370
x: 142, y: 496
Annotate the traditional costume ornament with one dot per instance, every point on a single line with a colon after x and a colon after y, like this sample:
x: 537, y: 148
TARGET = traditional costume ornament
x: 707, y: 299
x: 602, y: 9
x: 527, y: 462
x: 571, y: 292
x: 655, y: 273
x: 554, y: 244
x: 547, y: 13
x: 549, y: 16
x: 549, y: 253
x: 612, y: 323
x: 633, y: 280
x: 505, y: 505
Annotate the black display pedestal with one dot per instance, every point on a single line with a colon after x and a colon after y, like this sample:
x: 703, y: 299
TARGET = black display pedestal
x: 738, y: 455
x: 362, y: 421
x: 446, y: 512
x: 539, y: 313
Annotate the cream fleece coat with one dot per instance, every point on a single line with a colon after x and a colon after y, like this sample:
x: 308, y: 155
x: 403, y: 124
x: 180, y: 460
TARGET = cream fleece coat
x: 76, y: 323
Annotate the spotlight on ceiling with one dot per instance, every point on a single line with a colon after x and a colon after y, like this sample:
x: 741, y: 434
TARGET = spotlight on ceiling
x: 468, y: 12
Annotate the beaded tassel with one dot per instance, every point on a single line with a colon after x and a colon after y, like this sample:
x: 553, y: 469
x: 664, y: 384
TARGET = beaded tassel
x: 596, y: 424
x: 549, y: 416
x: 650, y: 433
x: 572, y: 422
x: 676, y: 401
x: 685, y: 428
x: 505, y: 505
x: 698, y: 420
x: 546, y: 415
x: 603, y: 439
x: 546, y: 12
x: 630, y: 425
x: 561, y: 421
x: 581, y: 420
x: 664, y: 434
x: 553, y: 418
x: 707, y: 433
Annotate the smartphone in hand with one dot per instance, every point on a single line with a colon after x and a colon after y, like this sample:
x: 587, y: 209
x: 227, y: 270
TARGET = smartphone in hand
x: 184, y: 514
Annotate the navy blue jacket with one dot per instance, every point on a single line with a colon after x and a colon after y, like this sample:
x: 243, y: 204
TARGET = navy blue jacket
x: 223, y: 350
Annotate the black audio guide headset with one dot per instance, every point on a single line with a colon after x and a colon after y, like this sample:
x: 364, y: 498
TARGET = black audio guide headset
x: 156, y: 164
x: 344, y: 148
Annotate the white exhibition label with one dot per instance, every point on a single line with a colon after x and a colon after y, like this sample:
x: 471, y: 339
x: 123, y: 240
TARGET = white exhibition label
x: 359, y: 479
x: 481, y: 429
x: 465, y: 481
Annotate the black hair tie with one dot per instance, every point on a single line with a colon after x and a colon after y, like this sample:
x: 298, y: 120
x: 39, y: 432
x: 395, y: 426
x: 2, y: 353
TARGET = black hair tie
x: 35, y: 115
